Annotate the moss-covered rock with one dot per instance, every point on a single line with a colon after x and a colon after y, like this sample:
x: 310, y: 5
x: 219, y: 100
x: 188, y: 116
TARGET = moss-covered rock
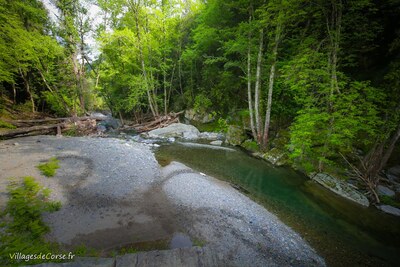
x: 250, y: 145
x: 235, y: 135
x: 340, y: 187
x: 276, y: 156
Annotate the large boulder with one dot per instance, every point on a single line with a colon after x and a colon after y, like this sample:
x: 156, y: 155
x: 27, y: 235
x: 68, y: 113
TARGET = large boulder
x: 385, y: 191
x: 176, y: 130
x: 276, y: 156
x: 340, y: 187
x: 389, y: 209
x: 393, y: 174
x: 235, y: 135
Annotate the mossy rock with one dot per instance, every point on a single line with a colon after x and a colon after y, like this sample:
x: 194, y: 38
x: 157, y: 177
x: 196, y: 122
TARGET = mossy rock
x: 276, y: 156
x: 340, y: 187
x: 251, y: 145
x: 235, y: 135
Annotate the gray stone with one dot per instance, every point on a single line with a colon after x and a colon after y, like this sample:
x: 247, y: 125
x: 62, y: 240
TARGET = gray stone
x: 392, y: 178
x: 209, y: 135
x: 276, y: 157
x: 384, y: 191
x: 101, y: 128
x: 395, y: 170
x: 389, y: 209
x: 216, y: 143
x: 340, y: 187
x: 111, y: 123
x: 235, y: 135
x: 81, y: 262
x: 176, y: 130
x: 194, y: 256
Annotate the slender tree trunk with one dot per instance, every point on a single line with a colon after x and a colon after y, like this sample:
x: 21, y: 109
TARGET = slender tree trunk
x: 271, y: 85
x: 14, y: 94
x: 257, y: 89
x: 165, y: 94
x: 249, y: 93
x: 390, y: 148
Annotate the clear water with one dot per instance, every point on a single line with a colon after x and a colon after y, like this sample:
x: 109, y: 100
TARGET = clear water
x: 344, y: 233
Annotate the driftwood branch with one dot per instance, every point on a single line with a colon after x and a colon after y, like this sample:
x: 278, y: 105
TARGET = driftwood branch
x: 159, y: 122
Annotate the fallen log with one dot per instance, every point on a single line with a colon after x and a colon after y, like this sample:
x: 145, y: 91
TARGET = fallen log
x: 34, y: 130
x: 27, y: 123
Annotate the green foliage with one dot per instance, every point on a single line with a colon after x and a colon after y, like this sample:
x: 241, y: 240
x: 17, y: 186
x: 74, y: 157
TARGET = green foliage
x: 4, y: 124
x: 22, y: 229
x: 49, y: 168
x: 202, y: 103
x: 222, y: 125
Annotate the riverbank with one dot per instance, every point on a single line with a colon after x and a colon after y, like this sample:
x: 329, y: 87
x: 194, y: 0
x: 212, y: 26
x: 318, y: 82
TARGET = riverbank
x: 114, y: 194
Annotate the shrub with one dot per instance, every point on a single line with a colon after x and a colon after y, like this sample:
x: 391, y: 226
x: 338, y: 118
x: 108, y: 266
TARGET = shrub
x: 7, y: 125
x: 49, y: 168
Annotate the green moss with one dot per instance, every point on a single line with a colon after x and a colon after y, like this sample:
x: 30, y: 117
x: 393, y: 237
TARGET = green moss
x: 199, y: 242
x: 49, y: 168
x: 389, y: 201
x: 251, y: 145
x: 6, y: 125
x: 22, y: 229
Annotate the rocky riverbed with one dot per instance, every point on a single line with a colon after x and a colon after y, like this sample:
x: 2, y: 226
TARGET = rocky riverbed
x: 114, y: 193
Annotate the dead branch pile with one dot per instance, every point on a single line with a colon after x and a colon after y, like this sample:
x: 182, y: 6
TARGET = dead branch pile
x: 160, y: 122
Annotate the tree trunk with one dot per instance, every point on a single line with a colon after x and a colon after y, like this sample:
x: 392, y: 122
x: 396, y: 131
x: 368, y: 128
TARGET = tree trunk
x: 257, y: 88
x: 14, y: 94
x: 249, y: 93
x: 271, y: 86
x: 390, y: 148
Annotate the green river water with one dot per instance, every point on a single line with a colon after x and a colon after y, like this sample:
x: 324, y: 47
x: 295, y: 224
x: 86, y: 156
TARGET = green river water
x: 342, y: 232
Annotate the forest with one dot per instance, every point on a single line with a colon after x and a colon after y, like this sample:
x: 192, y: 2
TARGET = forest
x: 325, y: 74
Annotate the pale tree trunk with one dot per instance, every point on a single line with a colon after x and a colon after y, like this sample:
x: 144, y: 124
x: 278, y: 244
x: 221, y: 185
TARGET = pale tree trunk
x: 165, y: 94
x: 249, y: 93
x: 257, y: 89
x: 271, y: 85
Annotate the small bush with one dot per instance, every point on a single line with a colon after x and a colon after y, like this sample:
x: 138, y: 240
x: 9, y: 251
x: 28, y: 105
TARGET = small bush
x: 6, y: 125
x: 22, y: 228
x: 49, y: 168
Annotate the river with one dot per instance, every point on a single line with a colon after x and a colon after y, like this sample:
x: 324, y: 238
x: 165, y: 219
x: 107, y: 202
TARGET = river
x: 344, y: 233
